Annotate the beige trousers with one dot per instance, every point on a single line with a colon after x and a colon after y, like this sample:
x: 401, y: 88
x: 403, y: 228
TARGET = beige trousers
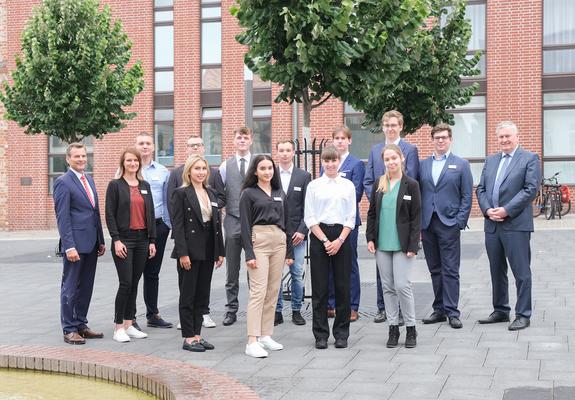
x: 269, y: 243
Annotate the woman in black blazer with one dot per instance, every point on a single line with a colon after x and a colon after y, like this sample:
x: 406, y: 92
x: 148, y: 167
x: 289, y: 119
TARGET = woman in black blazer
x: 197, y: 232
x: 131, y: 223
x: 393, y: 229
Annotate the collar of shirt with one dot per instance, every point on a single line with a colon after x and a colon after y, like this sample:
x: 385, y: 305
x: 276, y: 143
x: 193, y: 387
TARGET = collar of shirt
x: 510, y: 154
x: 395, y: 142
x: 286, y: 171
x: 330, y: 180
x: 443, y: 157
x: 342, y: 159
x: 247, y: 157
x: 78, y: 174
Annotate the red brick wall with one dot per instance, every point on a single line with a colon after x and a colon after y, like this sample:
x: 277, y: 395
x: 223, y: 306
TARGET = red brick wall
x: 3, y: 123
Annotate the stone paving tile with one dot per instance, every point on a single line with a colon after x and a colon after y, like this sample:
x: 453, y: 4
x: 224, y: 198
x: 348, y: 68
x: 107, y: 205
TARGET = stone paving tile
x: 382, y: 374
x: 528, y: 393
x: 456, y: 370
x: 377, y: 389
x: 305, y: 395
x: 419, y: 368
x: 512, y: 363
x: 512, y: 377
x: 420, y: 391
x: 402, y: 377
x: 471, y: 394
x: 468, y: 382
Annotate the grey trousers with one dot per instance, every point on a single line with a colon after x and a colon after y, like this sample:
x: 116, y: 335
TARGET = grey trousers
x: 233, y: 261
x: 395, y: 270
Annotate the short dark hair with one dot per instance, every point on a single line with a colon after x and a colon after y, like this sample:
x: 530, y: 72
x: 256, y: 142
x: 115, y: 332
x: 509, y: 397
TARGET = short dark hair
x: 284, y: 142
x: 440, y: 128
x: 330, y: 153
x: 243, y: 130
x: 251, y: 180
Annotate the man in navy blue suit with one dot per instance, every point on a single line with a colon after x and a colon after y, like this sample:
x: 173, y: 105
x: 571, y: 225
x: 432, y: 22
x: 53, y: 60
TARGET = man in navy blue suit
x: 392, y: 124
x: 351, y: 168
x: 81, y: 242
x: 446, y: 185
x: 508, y: 185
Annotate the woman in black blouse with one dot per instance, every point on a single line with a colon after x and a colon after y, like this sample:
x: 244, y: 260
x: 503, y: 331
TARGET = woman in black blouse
x: 263, y: 216
x: 198, y: 247
x: 131, y: 223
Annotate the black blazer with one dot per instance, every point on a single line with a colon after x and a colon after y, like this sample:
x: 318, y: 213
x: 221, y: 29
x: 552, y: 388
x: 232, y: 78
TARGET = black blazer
x: 175, y: 181
x: 408, y: 216
x: 295, y: 198
x: 118, y: 208
x: 190, y: 236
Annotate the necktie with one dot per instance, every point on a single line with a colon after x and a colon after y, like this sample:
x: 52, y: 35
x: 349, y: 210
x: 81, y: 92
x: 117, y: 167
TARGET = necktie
x: 243, y: 167
x: 499, y: 179
x: 87, y: 189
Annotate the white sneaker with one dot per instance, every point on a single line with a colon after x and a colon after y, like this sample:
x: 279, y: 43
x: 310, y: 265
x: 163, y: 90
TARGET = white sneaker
x: 121, y: 336
x: 179, y: 326
x: 208, y: 322
x: 255, y: 350
x: 136, y: 334
x: 269, y: 344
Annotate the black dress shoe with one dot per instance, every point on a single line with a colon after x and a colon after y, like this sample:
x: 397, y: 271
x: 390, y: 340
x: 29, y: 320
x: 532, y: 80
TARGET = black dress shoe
x: 495, y: 317
x: 321, y: 344
x: 207, y: 345
x: 296, y: 318
x: 455, y: 323
x: 157, y: 322
x: 195, y: 346
x: 380, y: 317
x: 229, y: 319
x: 340, y: 343
x: 519, y: 323
x: 278, y: 318
x: 434, y: 318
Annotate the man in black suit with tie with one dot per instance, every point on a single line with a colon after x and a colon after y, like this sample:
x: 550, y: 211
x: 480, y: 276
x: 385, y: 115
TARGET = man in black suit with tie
x: 294, y: 183
x: 508, y: 185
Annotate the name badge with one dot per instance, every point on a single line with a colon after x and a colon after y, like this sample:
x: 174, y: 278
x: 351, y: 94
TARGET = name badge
x: 155, y: 178
x: 297, y: 189
x: 277, y: 199
x: 342, y: 174
x: 144, y: 191
x: 406, y: 197
x: 452, y: 166
x: 214, y: 204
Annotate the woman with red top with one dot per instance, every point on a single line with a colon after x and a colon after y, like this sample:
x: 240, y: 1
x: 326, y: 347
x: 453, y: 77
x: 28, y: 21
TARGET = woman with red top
x: 131, y: 223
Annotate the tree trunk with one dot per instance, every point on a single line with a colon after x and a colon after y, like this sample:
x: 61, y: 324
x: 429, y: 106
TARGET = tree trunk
x: 306, y: 132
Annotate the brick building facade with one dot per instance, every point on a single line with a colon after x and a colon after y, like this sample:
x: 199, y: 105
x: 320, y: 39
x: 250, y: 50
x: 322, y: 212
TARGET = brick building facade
x: 195, y: 82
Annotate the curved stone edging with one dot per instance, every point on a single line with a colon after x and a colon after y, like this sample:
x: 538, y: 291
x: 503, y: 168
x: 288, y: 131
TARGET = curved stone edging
x: 165, y: 379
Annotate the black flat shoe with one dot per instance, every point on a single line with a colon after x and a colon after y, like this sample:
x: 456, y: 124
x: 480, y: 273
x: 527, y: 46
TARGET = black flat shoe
x: 195, y: 346
x: 494, y: 318
x: 519, y: 323
x: 207, y: 345
x: 321, y: 344
x: 297, y: 318
x: 434, y: 318
x: 278, y: 318
x: 229, y: 319
x: 158, y: 322
x: 340, y: 343
x: 455, y: 323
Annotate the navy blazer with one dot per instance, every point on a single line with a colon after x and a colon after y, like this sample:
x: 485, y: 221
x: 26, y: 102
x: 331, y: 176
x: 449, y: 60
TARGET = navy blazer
x: 518, y: 189
x: 295, y: 198
x: 79, y: 224
x: 451, y: 197
x: 376, y: 168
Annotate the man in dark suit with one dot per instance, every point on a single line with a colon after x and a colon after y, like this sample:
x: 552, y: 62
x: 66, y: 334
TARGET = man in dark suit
x: 194, y: 145
x: 81, y: 241
x: 446, y: 186
x: 392, y: 124
x: 294, y: 184
x: 508, y: 185
x: 353, y: 169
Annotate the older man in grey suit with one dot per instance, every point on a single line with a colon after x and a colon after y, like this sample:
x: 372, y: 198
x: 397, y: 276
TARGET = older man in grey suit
x: 508, y: 185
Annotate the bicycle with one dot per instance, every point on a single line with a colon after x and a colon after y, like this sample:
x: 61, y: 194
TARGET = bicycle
x: 552, y: 198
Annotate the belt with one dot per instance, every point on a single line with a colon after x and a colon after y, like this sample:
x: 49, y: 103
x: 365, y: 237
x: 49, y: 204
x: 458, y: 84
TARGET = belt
x: 159, y: 221
x: 322, y: 224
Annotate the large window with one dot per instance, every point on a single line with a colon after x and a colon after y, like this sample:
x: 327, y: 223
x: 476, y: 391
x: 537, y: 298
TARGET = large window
x: 262, y: 130
x: 212, y: 134
x: 475, y: 12
x: 211, y: 55
x: 559, y: 135
x: 361, y: 138
x: 164, y: 81
x: 57, y: 164
x: 559, y: 37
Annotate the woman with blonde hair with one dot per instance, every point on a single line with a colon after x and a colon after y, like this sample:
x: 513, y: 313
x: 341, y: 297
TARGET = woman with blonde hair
x: 131, y: 223
x: 198, y: 248
x: 393, y: 229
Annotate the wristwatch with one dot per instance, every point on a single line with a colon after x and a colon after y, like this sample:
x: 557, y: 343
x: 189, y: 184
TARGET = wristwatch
x: 324, y: 240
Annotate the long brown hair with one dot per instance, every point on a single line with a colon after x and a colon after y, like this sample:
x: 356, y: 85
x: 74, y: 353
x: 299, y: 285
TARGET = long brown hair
x: 382, y: 185
x: 130, y: 150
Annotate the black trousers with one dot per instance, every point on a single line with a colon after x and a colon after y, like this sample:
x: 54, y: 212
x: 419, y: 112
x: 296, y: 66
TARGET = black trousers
x: 130, y: 271
x: 320, y: 266
x: 195, y: 285
x: 152, y: 270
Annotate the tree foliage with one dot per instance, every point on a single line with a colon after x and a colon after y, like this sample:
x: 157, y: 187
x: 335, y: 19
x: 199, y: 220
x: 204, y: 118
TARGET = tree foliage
x: 374, y: 54
x: 71, y: 80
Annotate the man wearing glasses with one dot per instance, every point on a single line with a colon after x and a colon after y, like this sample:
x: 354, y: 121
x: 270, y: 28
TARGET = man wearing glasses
x: 392, y: 124
x: 194, y: 145
x: 446, y: 186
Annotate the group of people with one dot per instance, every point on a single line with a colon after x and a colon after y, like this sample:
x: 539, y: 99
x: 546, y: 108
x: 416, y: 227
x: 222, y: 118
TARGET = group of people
x: 269, y: 211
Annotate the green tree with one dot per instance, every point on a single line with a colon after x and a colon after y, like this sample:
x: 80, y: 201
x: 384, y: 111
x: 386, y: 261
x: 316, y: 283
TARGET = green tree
x: 374, y: 54
x: 71, y: 80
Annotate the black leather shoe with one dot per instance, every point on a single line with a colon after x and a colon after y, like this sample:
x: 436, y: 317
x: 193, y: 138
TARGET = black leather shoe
x: 455, y: 323
x: 340, y: 343
x: 296, y: 318
x: 278, y: 318
x: 195, y: 346
x: 321, y: 344
x: 380, y: 317
x: 393, y: 338
x: 495, y: 317
x: 519, y: 323
x: 434, y: 318
x: 157, y: 322
x: 229, y: 319
x: 207, y: 345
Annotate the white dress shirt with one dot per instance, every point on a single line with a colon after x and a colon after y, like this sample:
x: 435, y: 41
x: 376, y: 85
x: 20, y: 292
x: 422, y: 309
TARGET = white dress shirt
x: 285, y: 176
x: 330, y: 201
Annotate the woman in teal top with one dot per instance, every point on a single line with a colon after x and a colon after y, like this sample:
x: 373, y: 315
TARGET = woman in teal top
x: 393, y: 222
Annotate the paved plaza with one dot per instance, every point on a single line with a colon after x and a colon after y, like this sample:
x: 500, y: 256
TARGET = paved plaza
x: 485, y: 362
